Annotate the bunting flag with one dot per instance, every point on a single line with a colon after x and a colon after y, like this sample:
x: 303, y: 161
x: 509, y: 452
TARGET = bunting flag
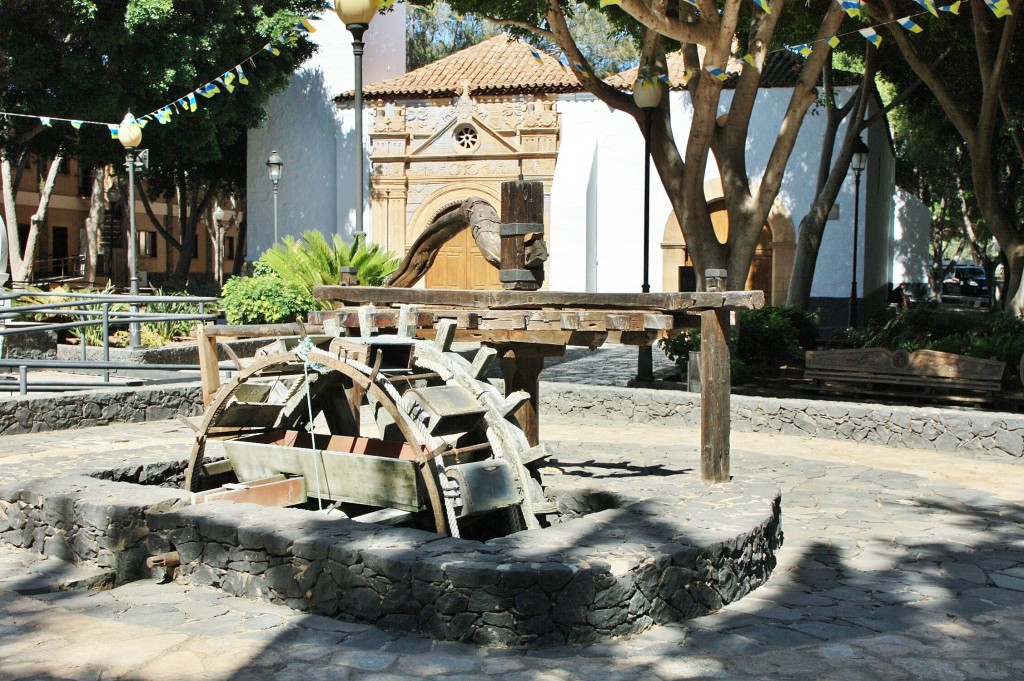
x: 664, y: 79
x: 113, y: 131
x: 269, y: 47
x: 227, y: 80
x: 328, y: 5
x: 833, y: 42
x: 241, y: 75
x: 163, y: 116
x: 46, y: 121
x: 763, y: 4
x: 605, y: 3
x: 804, y: 50
x: 953, y: 9
x: 909, y: 24
x: 208, y: 90
x: 192, y: 106
x: 77, y: 125
x: 143, y: 121
x: 852, y: 7
x: 687, y: 75
x: 692, y: 2
x: 536, y: 55
x: 305, y: 25
x: 871, y: 35
x: 1000, y: 8
x: 580, y: 69
x: 929, y: 5
x: 718, y: 73
x: 749, y: 59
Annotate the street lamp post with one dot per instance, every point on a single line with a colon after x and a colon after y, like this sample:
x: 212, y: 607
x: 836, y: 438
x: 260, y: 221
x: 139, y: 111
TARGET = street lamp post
x: 859, y: 163
x: 275, y: 165
x: 647, y: 93
x: 129, y: 133
x: 357, y: 15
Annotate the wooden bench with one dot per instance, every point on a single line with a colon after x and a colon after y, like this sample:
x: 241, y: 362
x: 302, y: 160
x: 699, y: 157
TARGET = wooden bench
x: 921, y: 370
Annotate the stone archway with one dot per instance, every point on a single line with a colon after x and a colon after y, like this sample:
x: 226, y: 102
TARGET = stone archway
x: 773, y: 260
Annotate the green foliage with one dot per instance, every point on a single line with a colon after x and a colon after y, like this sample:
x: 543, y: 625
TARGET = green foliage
x: 991, y: 335
x: 768, y: 338
x: 266, y: 299
x: 775, y: 336
x: 434, y: 31
x: 437, y: 28
x: 164, y: 332
x: 312, y: 261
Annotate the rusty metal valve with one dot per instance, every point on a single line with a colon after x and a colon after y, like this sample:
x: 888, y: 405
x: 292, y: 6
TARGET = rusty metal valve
x: 166, y: 560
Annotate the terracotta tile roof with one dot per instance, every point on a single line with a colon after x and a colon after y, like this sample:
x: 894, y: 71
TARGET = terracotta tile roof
x: 500, y: 66
x: 781, y: 69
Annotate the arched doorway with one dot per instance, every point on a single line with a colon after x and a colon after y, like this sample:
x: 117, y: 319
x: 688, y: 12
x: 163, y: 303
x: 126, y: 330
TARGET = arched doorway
x: 461, y: 265
x: 770, y: 268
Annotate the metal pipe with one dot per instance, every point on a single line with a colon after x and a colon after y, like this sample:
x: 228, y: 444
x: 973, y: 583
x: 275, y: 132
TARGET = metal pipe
x: 856, y: 224
x: 23, y: 379
x: 167, y: 560
x: 357, y: 31
x: 106, y: 338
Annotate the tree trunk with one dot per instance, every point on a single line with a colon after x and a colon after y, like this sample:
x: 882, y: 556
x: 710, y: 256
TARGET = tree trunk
x: 26, y: 269
x: 93, y: 225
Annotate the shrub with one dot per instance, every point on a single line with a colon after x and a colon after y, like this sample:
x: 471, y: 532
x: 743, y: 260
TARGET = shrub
x: 775, y: 336
x: 312, y: 261
x: 266, y: 299
x: 765, y: 339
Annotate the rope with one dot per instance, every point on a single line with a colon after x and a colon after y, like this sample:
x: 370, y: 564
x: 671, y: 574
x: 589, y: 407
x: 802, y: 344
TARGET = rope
x: 317, y: 456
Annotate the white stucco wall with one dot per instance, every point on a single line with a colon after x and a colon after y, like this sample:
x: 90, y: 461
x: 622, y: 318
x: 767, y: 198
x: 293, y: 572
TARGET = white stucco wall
x: 313, y: 138
x: 910, y: 247
x: 591, y: 130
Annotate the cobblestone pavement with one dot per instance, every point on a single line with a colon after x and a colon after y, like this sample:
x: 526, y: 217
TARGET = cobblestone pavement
x: 898, y: 564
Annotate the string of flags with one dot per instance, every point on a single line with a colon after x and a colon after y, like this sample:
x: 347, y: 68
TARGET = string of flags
x: 1001, y: 8
x: 236, y: 75
x: 226, y: 82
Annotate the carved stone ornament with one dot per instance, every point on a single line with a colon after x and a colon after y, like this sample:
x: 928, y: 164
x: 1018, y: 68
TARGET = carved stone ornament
x: 390, y: 118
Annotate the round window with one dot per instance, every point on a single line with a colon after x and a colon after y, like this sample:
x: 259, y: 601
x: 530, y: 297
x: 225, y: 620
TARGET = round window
x: 466, y: 137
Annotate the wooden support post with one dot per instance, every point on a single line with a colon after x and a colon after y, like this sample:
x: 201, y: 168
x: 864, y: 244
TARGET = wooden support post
x: 522, y: 223
x: 521, y: 364
x: 209, y: 369
x: 715, y: 386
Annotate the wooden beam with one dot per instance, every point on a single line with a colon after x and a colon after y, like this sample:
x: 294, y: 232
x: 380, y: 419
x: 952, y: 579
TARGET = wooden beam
x: 504, y: 300
x: 209, y: 364
x: 715, y: 385
x: 521, y: 364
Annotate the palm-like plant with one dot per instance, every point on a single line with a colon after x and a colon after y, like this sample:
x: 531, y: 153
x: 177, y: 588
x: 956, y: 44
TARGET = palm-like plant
x: 311, y: 261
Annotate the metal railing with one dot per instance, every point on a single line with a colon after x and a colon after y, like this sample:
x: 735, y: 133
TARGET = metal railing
x: 82, y: 308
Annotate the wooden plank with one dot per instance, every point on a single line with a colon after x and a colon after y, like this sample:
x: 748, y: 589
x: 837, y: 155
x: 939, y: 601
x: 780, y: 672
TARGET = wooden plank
x: 209, y: 365
x: 925, y: 363
x: 276, y: 491
x: 715, y: 384
x: 943, y: 383
x: 498, y: 300
x: 330, y: 475
x: 533, y: 320
x: 261, y: 330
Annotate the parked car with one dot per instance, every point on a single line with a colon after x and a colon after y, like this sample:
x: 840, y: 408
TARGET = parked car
x: 965, y: 280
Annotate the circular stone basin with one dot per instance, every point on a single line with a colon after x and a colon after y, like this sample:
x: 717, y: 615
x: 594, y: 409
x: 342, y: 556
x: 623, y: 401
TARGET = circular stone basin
x: 626, y: 552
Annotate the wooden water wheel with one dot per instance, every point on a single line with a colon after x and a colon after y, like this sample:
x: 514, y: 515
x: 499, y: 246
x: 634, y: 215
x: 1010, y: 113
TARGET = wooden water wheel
x: 388, y: 422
